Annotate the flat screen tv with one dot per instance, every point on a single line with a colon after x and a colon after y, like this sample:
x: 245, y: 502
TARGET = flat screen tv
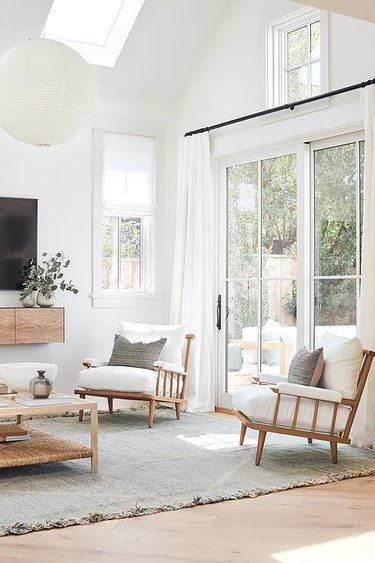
x: 18, y: 238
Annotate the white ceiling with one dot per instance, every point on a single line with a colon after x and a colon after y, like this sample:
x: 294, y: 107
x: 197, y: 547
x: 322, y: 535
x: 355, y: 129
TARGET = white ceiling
x: 162, y: 49
x: 362, y: 9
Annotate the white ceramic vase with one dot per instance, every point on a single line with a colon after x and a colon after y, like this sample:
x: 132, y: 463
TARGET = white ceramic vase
x: 44, y: 301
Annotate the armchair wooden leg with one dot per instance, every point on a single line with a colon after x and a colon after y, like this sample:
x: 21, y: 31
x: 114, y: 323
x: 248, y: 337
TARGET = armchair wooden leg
x: 242, y: 433
x: 333, y: 451
x: 309, y: 440
x: 80, y: 414
x: 110, y: 405
x: 178, y: 411
x: 261, y: 438
x: 151, y: 412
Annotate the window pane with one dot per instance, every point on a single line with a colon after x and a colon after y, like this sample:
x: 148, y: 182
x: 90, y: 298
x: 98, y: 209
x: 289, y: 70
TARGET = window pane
x: 297, y: 46
x: 242, y: 324
x: 315, y: 78
x: 279, y: 216
x: 279, y: 330
x: 130, y: 237
x: 315, y: 40
x: 242, y: 202
x: 335, y: 307
x: 335, y: 210
x: 110, y: 252
x: 298, y: 87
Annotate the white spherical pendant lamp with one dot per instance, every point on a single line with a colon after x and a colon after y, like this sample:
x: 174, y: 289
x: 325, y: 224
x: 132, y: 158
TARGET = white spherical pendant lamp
x: 46, y: 92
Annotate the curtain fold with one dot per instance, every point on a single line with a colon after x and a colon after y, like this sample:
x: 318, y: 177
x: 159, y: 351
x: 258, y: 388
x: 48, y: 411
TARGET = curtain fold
x: 194, y: 272
x: 363, y: 433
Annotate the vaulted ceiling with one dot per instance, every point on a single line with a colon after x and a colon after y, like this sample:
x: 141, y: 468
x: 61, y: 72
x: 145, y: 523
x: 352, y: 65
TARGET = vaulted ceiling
x: 362, y: 9
x: 162, y: 49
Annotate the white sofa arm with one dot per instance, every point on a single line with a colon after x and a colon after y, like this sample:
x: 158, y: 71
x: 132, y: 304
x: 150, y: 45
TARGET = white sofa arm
x: 167, y: 366
x: 309, y: 392
x: 94, y: 362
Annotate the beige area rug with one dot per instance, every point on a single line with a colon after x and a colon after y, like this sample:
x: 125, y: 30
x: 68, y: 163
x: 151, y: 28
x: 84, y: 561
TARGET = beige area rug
x: 171, y: 466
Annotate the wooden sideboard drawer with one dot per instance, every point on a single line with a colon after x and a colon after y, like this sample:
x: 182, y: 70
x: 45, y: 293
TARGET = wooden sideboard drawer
x: 31, y: 326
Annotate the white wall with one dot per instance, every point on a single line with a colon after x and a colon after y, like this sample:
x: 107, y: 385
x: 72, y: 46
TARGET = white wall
x: 60, y: 177
x: 230, y: 79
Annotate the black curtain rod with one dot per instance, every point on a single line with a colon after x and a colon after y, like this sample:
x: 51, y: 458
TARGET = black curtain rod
x: 290, y: 106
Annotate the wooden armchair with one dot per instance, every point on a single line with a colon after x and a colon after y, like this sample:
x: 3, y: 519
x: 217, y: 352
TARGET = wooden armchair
x: 168, y: 382
x: 316, y: 399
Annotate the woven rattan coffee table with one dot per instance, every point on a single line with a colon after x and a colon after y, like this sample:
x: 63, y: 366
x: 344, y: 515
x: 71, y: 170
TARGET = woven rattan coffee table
x: 44, y: 447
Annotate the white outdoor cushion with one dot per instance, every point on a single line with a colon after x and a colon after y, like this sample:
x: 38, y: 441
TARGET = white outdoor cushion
x: 175, y: 335
x: 342, y: 362
x: 257, y: 402
x: 118, y: 378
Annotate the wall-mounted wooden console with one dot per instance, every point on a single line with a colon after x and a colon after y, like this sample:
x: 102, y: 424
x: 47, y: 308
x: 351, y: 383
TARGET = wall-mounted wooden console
x: 19, y: 325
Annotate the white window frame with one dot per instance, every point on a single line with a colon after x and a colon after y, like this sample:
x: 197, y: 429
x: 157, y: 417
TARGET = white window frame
x: 121, y: 297
x: 276, y: 55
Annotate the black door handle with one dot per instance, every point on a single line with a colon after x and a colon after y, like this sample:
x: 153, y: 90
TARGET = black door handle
x: 218, y: 313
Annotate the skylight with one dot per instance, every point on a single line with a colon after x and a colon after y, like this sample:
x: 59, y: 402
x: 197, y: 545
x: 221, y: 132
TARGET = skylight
x: 97, y: 29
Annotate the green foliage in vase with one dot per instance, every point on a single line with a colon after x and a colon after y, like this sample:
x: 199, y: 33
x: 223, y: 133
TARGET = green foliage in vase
x: 47, y: 277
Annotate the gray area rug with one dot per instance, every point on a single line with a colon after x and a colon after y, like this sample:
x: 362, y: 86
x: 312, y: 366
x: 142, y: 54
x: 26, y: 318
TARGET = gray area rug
x: 173, y: 465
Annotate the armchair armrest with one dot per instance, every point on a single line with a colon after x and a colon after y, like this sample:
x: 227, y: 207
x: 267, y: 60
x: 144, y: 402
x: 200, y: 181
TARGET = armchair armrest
x: 307, y: 392
x: 167, y: 366
x: 94, y: 363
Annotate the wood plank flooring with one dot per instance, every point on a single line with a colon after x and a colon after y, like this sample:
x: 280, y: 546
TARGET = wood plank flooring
x: 328, y: 523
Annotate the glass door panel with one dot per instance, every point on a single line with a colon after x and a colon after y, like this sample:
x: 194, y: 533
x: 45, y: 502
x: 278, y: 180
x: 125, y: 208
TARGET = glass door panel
x: 260, y: 269
x: 338, y: 179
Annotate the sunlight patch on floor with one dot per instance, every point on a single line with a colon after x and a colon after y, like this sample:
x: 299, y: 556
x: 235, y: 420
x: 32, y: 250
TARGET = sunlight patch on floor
x: 360, y: 548
x: 215, y: 441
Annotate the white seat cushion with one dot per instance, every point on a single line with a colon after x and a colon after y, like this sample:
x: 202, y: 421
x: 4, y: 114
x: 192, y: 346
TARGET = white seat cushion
x: 118, y: 378
x: 342, y: 362
x: 257, y: 402
x: 175, y: 335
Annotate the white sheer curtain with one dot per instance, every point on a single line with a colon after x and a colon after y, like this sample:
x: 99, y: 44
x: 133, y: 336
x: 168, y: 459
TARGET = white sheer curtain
x: 194, y: 274
x: 363, y: 433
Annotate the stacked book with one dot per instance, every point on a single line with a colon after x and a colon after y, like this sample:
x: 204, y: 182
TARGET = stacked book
x: 28, y: 400
x: 13, y: 433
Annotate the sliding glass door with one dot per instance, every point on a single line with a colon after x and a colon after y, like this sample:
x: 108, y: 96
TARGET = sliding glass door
x: 289, y: 256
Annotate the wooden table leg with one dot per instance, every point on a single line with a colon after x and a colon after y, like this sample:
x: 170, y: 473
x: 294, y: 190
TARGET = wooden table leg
x: 94, y: 439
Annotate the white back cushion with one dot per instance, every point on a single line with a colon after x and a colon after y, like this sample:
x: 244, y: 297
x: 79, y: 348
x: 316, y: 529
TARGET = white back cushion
x: 175, y: 335
x: 342, y: 362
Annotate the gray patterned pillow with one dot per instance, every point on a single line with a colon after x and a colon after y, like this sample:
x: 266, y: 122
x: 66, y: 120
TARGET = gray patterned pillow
x: 306, y: 368
x: 137, y: 355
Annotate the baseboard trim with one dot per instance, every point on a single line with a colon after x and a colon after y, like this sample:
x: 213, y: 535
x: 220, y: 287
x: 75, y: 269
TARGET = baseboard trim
x: 224, y: 411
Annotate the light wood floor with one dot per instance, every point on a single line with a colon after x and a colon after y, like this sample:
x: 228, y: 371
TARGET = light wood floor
x: 329, y: 523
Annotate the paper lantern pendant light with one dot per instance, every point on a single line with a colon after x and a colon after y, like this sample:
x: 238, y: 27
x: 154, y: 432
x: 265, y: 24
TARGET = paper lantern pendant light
x: 46, y: 92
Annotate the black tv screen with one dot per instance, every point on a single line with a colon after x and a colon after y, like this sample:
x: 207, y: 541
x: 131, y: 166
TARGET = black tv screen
x: 18, y: 238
